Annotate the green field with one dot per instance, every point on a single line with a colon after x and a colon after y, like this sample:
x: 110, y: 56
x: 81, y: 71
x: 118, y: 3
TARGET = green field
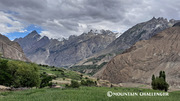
x: 76, y: 94
x: 60, y: 72
x: 83, y: 94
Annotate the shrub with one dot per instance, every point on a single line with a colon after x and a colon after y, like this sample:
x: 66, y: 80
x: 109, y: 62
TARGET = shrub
x: 159, y: 83
x: 18, y: 74
x: 5, y: 73
x: 74, y: 84
x: 88, y: 82
x: 45, y: 80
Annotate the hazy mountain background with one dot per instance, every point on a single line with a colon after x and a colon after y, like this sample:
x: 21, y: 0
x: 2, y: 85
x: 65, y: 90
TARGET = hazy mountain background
x: 140, y: 31
x: 89, y: 51
x: 67, y: 52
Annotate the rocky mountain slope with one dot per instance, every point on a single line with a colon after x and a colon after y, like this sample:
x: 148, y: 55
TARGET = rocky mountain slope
x: 43, y: 50
x: 145, y: 58
x: 10, y: 49
x: 141, y: 31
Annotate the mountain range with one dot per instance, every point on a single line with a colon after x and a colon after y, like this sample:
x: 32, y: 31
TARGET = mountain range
x: 145, y: 58
x: 140, y: 31
x: 80, y: 49
x: 67, y: 52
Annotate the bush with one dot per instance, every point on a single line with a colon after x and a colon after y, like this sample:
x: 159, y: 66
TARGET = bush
x: 19, y: 74
x: 88, y: 83
x: 45, y: 80
x: 159, y: 83
x: 84, y: 83
x: 5, y: 73
x: 74, y: 84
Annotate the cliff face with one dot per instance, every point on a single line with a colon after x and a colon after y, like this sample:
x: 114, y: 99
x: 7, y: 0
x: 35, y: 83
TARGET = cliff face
x: 145, y: 58
x: 10, y: 49
x: 141, y: 31
x: 67, y: 52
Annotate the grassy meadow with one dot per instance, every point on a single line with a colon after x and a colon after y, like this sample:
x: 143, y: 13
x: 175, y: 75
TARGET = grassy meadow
x: 83, y: 94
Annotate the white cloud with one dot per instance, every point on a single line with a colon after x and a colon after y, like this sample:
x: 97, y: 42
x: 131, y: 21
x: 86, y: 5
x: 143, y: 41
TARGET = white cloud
x: 8, y: 25
x: 50, y: 34
x: 66, y: 17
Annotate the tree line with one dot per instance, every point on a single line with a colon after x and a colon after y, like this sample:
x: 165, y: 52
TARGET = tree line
x: 20, y: 74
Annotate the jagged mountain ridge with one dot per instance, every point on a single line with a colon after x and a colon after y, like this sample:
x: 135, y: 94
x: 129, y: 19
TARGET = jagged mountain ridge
x: 67, y: 52
x: 145, y: 58
x: 140, y: 31
x: 10, y: 49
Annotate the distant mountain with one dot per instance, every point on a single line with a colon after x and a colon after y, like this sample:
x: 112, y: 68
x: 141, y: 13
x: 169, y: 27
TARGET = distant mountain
x: 67, y: 52
x: 141, y: 31
x: 145, y: 58
x: 10, y: 49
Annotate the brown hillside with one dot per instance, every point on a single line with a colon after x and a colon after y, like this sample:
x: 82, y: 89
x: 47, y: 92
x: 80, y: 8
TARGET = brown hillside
x: 11, y: 49
x: 145, y: 58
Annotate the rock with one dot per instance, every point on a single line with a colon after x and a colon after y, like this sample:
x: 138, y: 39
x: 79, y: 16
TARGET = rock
x: 176, y: 24
x: 145, y: 58
x: 43, y: 50
x: 141, y: 31
x: 11, y: 50
x: 4, y: 87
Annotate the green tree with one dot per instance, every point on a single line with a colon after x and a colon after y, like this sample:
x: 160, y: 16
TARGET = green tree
x: 83, y: 82
x: 19, y: 74
x: 160, y: 74
x: 5, y: 76
x: 27, y: 75
x: 88, y: 82
x: 153, y: 77
x: 153, y: 82
x: 164, y: 75
x: 45, y: 80
x: 159, y: 83
x: 74, y: 84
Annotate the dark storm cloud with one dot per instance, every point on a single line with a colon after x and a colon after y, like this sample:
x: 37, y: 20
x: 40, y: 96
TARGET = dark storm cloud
x: 65, y: 17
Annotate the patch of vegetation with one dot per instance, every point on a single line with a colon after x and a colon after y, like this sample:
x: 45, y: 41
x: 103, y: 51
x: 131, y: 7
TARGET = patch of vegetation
x: 88, y: 82
x: 21, y: 74
x: 60, y: 72
x: 18, y: 74
x: 159, y: 83
x: 74, y: 84
x: 83, y: 94
x: 45, y: 80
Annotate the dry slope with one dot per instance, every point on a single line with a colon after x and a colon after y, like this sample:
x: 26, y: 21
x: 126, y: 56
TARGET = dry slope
x: 10, y: 49
x: 145, y: 58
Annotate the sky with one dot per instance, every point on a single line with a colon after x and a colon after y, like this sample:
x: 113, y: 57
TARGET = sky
x: 62, y: 18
